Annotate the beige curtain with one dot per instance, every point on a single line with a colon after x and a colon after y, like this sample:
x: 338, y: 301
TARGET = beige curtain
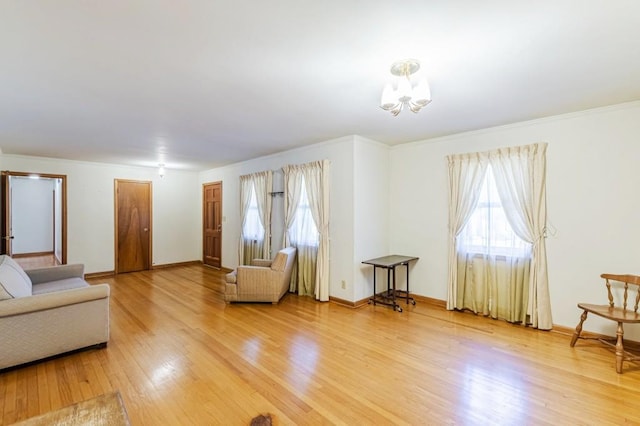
x: 255, y: 246
x: 466, y: 174
x: 512, y: 286
x: 312, y: 274
x: 495, y: 286
x: 245, y: 245
x: 263, y: 184
x: 520, y: 175
x: 317, y: 184
x: 293, y: 187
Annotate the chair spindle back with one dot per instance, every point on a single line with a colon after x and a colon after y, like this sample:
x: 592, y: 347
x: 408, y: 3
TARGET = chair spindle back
x: 633, y: 280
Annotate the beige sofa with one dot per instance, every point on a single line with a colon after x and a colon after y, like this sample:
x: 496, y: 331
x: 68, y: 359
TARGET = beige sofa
x: 49, y: 311
x: 263, y: 280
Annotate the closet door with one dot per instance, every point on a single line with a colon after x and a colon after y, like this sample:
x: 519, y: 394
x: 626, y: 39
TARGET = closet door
x: 133, y: 225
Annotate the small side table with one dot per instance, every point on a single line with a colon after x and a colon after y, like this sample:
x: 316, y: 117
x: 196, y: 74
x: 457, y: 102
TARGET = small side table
x: 390, y: 296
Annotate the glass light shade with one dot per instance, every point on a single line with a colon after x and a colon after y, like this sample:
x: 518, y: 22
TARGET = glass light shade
x: 389, y: 98
x: 404, y: 90
x: 422, y: 93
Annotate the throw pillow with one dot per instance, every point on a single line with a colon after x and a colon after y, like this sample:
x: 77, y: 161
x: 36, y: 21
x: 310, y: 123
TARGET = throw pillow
x: 13, y: 280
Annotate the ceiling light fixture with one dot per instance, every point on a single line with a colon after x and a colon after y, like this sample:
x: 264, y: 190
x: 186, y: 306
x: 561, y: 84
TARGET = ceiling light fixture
x: 414, y: 98
x: 161, y: 170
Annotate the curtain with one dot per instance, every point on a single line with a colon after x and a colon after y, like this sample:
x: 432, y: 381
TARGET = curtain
x: 510, y: 283
x: 245, y: 245
x: 293, y: 178
x: 317, y: 185
x: 520, y: 174
x: 312, y: 274
x: 262, y: 184
x: 466, y: 174
x: 255, y: 217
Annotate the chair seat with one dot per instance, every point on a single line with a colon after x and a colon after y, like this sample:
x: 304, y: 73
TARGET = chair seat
x: 616, y: 314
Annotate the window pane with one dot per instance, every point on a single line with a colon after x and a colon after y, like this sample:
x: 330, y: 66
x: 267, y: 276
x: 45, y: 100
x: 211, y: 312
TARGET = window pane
x: 303, y: 231
x: 488, y: 231
x: 253, y: 229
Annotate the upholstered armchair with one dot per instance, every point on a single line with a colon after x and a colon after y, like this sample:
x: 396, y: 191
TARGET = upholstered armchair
x: 263, y: 280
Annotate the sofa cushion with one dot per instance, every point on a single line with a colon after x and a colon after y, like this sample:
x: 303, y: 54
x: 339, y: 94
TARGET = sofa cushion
x: 59, y: 285
x: 13, y: 281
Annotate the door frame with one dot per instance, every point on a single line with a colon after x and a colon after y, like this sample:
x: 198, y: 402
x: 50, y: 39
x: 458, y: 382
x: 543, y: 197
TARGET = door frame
x: 5, y: 215
x: 116, y: 221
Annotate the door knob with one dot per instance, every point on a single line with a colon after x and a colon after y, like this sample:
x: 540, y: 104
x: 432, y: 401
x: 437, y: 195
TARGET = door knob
x: 146, y: 229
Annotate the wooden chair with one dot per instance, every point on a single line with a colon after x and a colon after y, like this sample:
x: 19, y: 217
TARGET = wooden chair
x: 619, y: 314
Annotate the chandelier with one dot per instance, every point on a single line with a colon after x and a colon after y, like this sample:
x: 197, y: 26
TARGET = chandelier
x: 414, y: 98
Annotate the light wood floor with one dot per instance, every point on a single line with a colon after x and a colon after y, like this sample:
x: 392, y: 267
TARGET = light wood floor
x: 36, y: 261
x: 179, y: 355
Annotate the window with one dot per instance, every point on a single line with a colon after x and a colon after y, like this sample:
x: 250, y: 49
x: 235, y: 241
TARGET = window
x: 303, y: 231
x: 253, y: 229
x: 488, y: 231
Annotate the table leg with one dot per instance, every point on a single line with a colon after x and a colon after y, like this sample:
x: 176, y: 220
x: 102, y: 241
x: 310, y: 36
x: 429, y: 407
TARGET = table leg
x: 395, y: 304
x: 373, y: 299
x: 413, y: 301
x: 406, y: 266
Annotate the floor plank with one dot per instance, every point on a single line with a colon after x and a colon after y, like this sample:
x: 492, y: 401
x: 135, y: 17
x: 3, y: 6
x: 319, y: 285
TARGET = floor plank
x: 179, y: 355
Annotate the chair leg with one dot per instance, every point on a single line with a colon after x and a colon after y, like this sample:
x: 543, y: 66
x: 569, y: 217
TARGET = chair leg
x: 576, y: 334
x: 619, y: 348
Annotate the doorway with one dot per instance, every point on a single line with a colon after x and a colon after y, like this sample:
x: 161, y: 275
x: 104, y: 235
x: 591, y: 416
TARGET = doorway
x: 133, y: 226
x: 33, y: 217
x: 212, y: 224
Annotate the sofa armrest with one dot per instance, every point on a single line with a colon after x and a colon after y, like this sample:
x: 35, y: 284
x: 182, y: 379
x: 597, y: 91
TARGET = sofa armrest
x: 41, y: 302
x: 266, y: 263
x: 55, y: 273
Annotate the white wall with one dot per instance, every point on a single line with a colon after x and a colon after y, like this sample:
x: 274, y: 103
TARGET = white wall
x: 32, y: 215
x: 592, y: 188
x: 371, y: 213
x: 90, y: 209
x: 340, y: 153
x: 592, y: 198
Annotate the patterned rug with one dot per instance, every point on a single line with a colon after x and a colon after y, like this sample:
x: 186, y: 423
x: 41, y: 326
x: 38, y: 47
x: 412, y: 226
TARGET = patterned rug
x: 105, y: 409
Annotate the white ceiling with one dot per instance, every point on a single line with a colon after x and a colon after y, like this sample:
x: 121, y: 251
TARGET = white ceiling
x: 197, y: 84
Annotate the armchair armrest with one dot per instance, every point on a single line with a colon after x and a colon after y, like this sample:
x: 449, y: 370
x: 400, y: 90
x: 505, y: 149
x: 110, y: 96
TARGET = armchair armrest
x: 55, y: 273
x: 41, y: 302
x: 262, y: 262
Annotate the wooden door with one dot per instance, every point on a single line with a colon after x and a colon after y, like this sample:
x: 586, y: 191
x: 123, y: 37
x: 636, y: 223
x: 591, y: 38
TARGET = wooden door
x: 133, y: 225
x: 212, y: 224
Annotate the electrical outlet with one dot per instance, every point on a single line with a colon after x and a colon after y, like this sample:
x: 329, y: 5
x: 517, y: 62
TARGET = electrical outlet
x: 344, y: 285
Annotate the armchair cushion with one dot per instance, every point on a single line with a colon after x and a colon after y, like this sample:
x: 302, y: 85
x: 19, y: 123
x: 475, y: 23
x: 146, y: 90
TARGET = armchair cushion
x: 262, y: 262
x: 13, y: 281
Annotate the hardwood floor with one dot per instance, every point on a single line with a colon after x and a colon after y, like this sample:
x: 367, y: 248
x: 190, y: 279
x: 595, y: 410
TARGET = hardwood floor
x: 36, y: 261
x: 179, y: 355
